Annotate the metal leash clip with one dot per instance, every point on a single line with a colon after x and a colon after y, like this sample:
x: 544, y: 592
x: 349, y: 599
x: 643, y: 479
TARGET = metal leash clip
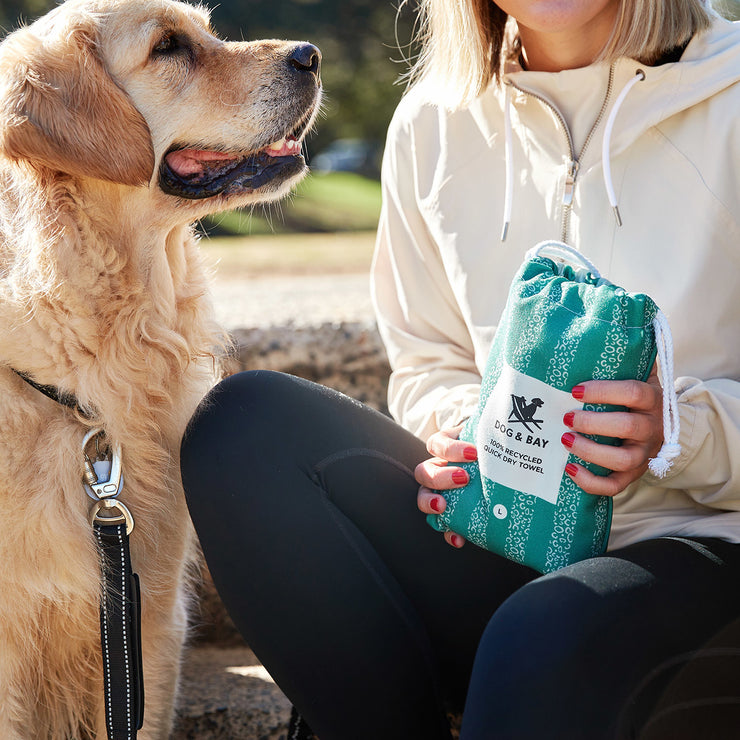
x: 103, y: 481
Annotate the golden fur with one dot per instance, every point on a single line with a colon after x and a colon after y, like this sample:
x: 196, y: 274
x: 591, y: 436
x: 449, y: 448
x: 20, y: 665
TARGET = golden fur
x: 103, y: 294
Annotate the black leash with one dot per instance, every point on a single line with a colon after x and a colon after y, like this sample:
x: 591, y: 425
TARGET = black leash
x: 120, y: 615
x: 120, y: 606
x: 298, y: 728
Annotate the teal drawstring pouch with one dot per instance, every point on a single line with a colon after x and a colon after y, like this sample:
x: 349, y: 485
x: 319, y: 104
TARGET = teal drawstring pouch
x: 562, y: 325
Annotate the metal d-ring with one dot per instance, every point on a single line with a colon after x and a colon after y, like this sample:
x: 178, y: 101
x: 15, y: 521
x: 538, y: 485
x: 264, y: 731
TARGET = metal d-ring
x: 111, y: 521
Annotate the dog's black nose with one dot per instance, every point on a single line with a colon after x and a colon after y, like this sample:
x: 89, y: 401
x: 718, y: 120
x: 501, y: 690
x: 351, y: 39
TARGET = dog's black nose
x: 306, y: 58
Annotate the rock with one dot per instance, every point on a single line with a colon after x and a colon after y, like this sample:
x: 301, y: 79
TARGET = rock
x: 226, y: 694
x: 346, y: 356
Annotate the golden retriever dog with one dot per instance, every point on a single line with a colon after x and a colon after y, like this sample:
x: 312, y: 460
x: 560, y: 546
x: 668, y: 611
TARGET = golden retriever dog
x: 121, y: 122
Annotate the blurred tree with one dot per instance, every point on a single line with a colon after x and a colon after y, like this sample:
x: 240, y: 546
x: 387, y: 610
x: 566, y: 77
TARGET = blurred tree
x: 13, y: 10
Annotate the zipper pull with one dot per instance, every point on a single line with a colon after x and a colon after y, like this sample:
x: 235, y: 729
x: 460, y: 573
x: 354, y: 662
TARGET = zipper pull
x: 570, y: 182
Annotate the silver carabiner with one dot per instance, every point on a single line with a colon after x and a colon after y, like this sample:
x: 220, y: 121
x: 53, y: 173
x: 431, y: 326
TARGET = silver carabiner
x: 104, y: 492
x: 110, y: 469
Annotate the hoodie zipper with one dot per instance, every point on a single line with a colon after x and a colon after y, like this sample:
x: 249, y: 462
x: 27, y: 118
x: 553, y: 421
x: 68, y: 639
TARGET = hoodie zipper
x: 575, y: 159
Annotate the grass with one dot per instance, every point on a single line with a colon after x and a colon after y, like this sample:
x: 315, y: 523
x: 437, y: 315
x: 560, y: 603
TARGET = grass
x: 290, y: 254
x: 334, y: 202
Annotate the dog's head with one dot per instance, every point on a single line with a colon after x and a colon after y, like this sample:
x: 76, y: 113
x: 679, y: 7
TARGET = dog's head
x: 141, y: 93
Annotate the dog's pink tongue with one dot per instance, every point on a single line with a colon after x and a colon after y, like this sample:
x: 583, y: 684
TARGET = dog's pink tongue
x: 191, y: 161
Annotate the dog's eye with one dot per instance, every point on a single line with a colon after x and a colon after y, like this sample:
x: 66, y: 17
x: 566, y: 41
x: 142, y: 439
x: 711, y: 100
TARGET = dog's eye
x: 168, y: 44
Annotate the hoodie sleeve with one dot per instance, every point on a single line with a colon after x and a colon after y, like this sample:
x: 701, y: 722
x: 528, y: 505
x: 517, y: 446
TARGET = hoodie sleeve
x: 708, y: 468
x: 434, y: 381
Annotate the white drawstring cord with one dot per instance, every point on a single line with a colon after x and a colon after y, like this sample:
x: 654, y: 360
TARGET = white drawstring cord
x: 671, y: 449
x: 606, y: 143
x: 509, y: 164
x: 561, y: 248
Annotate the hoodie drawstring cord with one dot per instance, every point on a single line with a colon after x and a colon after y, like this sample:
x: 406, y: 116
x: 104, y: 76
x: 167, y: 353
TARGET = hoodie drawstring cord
x: 606, y: 143
x: 605, y: 147
x: 508, y: 146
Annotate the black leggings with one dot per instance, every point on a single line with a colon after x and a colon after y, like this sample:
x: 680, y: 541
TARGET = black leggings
x: 305, y: 504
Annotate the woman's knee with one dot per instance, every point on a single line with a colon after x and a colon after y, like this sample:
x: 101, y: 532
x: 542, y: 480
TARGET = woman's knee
x: 559, y: 638
x: 226, y: 434
x: 241, y: 400
x: 543, y: 629
x: 541, y: 648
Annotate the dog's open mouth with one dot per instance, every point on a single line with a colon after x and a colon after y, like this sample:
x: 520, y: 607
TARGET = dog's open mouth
x: 202, y: 173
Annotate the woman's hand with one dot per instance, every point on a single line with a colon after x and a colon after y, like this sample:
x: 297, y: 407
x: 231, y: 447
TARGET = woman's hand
x: 436, y: 473
x: 640, y: 429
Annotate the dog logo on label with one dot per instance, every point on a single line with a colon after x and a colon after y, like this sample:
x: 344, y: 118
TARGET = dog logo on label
x: 524, y: 413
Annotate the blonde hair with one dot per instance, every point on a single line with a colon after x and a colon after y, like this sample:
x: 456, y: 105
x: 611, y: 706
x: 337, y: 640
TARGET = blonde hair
x: 464, y: 43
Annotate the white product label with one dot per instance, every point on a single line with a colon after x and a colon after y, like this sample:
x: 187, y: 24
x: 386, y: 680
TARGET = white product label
x: 519, y: 434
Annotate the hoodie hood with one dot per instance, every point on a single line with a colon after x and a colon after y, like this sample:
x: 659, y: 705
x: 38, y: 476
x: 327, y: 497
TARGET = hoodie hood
x: 601, y: 109
x: 709, y: 64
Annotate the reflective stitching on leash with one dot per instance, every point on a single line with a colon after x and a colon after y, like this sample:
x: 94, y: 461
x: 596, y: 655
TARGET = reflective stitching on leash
x: 105, y: 639
x: 125, y: 641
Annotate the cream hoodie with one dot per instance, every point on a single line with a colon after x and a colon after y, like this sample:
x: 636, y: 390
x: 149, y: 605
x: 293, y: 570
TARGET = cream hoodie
x: 441, y: 273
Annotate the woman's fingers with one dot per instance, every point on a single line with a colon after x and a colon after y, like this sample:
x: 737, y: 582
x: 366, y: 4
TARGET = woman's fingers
x: 454, y: 539
x: 636, y: 395
x: 640, y: 430
x: 436, y: 473
x: 627, y: 456
x: 606, y: 485
x: 446, y: 445
x: 620, y: 424
x: 430, y: 502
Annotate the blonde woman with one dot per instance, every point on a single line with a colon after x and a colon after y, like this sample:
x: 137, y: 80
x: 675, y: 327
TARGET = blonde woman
x: 609, y: 124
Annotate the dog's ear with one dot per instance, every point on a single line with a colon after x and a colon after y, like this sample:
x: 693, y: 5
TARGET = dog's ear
x: 60, y: 109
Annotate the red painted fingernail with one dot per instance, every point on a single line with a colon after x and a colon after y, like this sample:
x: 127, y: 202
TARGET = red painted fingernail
x: 578, y: 391
x: 568, y: 439
x: 435, y: 504
x: 459, y: 476
x: 568, y: 418
x: 470, y: 453
x: 571, y: 469
x: 456, y: 540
